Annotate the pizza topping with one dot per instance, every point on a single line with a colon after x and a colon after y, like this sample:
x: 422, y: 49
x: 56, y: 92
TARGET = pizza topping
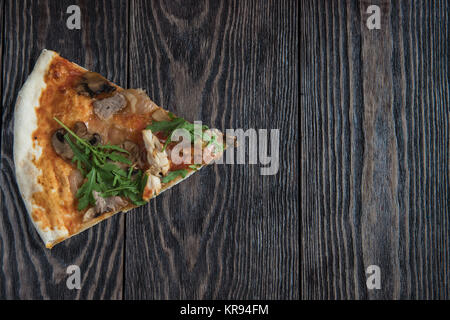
x: 93, y: 84
x: 103, y: 205
x: 134, y: 153
x: 89, y: 214
x: 174, y: 174
x: 81, y: 130
x: 168, y: 128
x: 152, y: 187
x: 210, y: 141
x: 139, y: 101
x: 62, y: 147
x: 107, y: 204
x: 160, y: 115
x: 95, y: 139
x: 96, y: 163
x: 114, y: 133
x: 107, y: 107
x: 156, y: 156
x: 75, y: 180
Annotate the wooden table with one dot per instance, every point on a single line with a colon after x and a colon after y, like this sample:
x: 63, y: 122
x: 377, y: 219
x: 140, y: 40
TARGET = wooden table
x: 374, y: 149
x: 227, y: 232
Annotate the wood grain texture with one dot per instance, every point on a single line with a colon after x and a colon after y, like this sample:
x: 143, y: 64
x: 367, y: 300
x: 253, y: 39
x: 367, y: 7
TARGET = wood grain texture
x: 2, y: 8
x: 28, y: 269
x: 227, y: 232
x: 375, y: 150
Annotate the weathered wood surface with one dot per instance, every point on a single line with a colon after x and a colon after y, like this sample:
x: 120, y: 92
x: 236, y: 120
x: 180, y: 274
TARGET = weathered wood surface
x: 375, y: 150
x: 2, y: 6
x: 226, y: 232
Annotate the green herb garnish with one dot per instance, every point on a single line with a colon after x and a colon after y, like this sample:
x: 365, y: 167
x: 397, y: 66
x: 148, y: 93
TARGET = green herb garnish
x: 168, y: 128
x: 103, y: 176
x: 174, y: 174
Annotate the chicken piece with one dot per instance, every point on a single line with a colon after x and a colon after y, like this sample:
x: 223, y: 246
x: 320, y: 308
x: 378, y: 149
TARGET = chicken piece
x: 89, y: 214
x: 160, y: 115
x: 156, y: 157
x: 152, y: 188
x: 139, y: 102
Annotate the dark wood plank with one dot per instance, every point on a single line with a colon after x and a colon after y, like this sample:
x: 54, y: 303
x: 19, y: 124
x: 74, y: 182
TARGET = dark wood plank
x: 29, y: 270
x: 2, y: 7
x: 374, y: 163
x: 227, y: 232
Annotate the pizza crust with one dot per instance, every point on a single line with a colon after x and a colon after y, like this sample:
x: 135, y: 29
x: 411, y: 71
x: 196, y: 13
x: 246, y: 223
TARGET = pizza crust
x: 25, y: 150
x: 25, y: 123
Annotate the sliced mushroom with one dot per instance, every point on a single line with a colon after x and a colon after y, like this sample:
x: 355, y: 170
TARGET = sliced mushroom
x: 105, y: 108
x: 93, y: 84
x: 95, y: 139
x: 61, y: 146
x: 80, y: 129
x: 156, y: 157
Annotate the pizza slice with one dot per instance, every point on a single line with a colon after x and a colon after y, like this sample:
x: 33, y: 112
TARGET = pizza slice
x: 86, y: 149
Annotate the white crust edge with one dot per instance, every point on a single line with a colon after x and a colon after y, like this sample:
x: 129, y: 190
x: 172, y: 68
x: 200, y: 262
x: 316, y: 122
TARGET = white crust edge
x: 25, y: 123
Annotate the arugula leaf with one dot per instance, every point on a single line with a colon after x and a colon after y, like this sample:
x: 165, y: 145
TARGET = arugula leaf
x: 112, y: 147
x: 142, y: 182
x: 85, y: 192
x: 174, y: 174
x: 78, y: 156
x: 114, y: 156
x: 165, y: 126
x: 169, y: 127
